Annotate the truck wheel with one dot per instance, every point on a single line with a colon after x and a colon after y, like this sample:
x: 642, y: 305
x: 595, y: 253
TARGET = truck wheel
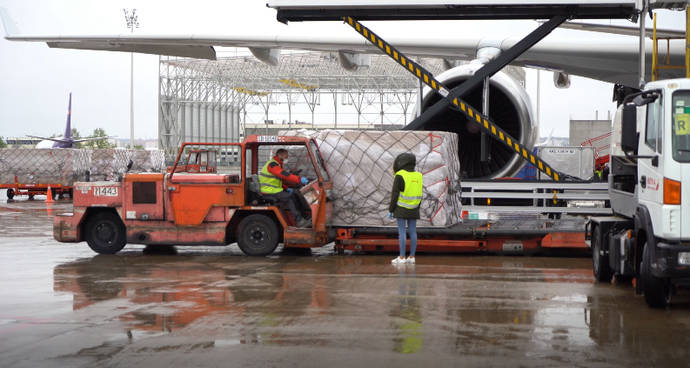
x: 257, y: 235
x: 600, y: 262
x: 656, y: 290
x: 105, y: 233
x: 10, y: 193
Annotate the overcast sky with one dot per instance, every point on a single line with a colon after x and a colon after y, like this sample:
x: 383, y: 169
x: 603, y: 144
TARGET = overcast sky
x: 36, y: 80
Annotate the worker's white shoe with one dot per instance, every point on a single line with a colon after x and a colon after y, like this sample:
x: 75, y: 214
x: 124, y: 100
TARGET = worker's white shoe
x: 399, y: 260
x: 409, y: 260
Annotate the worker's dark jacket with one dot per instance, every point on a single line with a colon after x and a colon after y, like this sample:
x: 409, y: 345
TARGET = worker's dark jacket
x: 404, y: 161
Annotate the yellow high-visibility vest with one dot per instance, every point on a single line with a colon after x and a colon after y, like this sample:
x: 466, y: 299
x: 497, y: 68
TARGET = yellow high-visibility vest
x: 411, y: 197
x: 270, y: 184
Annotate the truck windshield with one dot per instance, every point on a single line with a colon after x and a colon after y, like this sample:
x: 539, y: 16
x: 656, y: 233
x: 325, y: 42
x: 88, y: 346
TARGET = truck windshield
x: 681, y: 126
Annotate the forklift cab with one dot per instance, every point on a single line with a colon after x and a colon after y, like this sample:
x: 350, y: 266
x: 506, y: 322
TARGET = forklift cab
x: 198, y: 161
x: 304, y: 160
x: 257, y: 223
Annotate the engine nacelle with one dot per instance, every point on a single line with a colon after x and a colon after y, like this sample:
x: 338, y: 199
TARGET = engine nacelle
x: 509, y: 108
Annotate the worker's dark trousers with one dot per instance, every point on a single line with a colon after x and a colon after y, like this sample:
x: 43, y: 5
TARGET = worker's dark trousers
x: 289, y: 199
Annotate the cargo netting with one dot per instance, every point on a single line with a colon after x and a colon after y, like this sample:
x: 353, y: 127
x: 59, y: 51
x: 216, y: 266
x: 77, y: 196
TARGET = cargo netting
x: 360, y: 164
x: 65, y: 166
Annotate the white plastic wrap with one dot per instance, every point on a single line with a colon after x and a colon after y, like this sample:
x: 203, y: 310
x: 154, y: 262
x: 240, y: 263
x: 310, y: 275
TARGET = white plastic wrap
x: 108, y: 164
x: 66, y: 166
x: 61, y: 166
x: 361, y: 166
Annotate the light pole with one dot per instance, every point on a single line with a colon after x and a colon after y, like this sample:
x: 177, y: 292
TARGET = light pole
x: 132, y: 22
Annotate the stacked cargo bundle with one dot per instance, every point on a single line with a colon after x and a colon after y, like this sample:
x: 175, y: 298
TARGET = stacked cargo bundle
x: 361, y: 166
x: 109, y: 164
x: 147, y: 161
x: 61, y: 166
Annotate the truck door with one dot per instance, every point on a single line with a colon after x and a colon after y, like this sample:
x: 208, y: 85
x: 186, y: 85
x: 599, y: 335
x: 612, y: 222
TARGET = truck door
x: 650, y: 171
x: 680, y: 154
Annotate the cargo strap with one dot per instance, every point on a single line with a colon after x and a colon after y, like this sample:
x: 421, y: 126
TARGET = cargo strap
x: 473, y: 115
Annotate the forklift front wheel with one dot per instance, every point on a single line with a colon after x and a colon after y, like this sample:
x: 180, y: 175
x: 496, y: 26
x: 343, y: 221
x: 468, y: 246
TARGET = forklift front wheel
x: 105, y: 233
x: 10, y: 193
x: 257, y: 235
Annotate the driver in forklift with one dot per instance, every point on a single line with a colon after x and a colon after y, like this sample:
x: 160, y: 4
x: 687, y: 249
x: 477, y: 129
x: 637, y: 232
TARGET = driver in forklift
x: 275, y: 182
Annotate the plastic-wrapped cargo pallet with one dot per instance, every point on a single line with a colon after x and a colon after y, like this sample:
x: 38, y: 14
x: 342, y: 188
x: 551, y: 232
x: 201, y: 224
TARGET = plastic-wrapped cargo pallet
x: 108, y: 164
x: 61, y: 166
x: 65, y: 166
x: 361, y: 166
x: 147, y: 160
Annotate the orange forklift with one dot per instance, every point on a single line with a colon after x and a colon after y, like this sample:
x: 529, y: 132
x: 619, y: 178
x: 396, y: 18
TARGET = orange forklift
x: 197, y: 203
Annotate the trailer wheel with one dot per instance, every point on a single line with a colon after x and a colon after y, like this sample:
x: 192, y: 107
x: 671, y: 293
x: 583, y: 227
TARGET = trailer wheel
x: 600, y: 262
x: 105, y: 233
x: 10, y: 193
x: 257, y: 235
x: 657, y: 291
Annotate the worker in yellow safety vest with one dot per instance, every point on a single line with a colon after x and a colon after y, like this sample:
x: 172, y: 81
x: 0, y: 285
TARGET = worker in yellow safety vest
x: 406, y: 197
x: 275, y: 183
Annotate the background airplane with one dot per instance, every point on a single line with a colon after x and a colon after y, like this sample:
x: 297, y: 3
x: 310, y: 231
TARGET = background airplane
x: 66, y: 140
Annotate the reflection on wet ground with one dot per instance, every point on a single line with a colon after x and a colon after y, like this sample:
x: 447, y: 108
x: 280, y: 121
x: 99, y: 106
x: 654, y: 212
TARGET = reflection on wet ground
x: 62, y: 306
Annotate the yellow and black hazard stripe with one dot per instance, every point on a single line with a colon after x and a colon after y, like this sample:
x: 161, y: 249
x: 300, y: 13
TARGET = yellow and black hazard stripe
x: 472, y: 114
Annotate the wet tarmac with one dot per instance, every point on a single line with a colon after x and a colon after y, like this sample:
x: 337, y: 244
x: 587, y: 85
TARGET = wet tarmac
x: 62, y: 305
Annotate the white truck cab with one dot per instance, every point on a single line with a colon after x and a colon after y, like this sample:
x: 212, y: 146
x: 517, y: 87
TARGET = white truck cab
x: 649, y: 184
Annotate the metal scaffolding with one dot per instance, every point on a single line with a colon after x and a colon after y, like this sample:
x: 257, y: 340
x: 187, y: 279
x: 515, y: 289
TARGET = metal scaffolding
x: 216, y: 101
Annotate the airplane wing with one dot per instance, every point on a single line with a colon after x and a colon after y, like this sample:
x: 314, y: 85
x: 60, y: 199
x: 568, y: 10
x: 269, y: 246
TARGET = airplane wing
x: 622, y: 30
x: 92, y: 139
x: 612, y: 60
x: 59, y: 140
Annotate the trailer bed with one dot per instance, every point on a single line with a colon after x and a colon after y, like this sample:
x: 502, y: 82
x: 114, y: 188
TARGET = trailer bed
x: 509, y: 235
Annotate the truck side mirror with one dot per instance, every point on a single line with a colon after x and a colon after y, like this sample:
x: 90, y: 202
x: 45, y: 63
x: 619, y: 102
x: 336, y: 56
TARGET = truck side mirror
x: 629, y: 128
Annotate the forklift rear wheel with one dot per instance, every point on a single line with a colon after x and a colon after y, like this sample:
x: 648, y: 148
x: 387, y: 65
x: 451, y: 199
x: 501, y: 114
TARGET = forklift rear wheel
x: 105, y: 233
x: 600, y: 262
x: 257, y: 235
x: 657, y: 291
x: 10, y: 193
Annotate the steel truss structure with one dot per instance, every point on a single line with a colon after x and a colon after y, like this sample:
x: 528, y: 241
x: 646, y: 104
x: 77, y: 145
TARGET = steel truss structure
x: 212, y: 101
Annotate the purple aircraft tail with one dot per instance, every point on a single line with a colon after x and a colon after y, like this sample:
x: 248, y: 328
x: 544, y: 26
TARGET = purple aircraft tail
x: 68, y: 129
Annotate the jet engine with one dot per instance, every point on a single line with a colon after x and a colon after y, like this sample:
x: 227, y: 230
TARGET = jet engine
x: 509, y: 108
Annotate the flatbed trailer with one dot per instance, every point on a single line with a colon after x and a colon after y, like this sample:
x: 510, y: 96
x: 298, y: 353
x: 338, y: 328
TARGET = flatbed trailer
x: 508, y: 217
x: 505, y: 236
x: 31, y: 190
